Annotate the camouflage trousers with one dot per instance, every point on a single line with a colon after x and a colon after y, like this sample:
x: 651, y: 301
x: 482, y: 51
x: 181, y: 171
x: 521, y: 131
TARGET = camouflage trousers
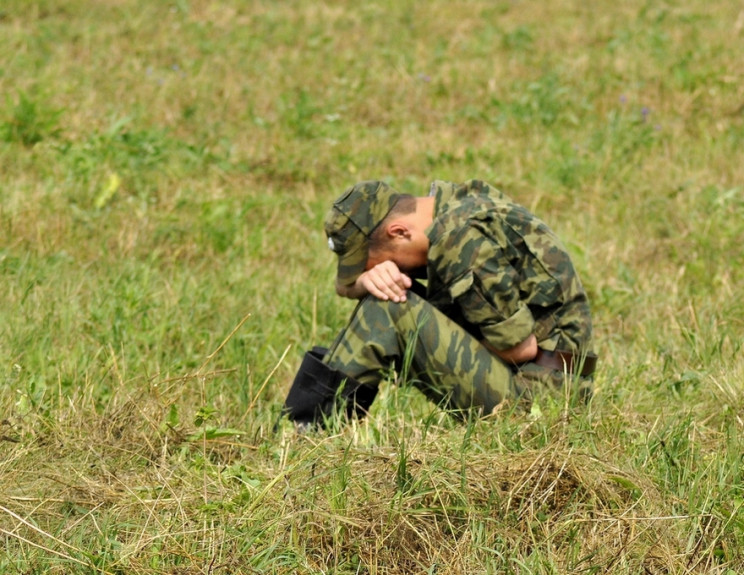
x: 435, y: 354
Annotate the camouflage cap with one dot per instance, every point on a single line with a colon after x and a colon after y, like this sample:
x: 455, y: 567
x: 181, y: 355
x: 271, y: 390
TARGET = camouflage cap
x: 351, y: 221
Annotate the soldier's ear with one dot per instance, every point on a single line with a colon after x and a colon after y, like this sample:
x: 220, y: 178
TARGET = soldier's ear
x: 397, y: 230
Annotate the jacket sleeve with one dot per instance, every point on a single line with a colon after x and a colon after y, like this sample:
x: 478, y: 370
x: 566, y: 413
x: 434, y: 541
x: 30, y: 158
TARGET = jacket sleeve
x: 486, y: 289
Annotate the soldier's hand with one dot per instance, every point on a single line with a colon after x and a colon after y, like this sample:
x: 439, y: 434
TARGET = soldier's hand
x: 385, y: 281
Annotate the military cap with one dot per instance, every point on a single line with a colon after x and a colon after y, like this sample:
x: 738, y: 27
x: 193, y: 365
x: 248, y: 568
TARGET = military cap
x: 351, y: 221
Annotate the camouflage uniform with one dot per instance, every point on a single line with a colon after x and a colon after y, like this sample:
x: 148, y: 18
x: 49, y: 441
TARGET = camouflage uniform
x: 496, y: 273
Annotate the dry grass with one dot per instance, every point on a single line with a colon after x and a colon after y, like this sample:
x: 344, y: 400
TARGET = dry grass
x: 386, y: 496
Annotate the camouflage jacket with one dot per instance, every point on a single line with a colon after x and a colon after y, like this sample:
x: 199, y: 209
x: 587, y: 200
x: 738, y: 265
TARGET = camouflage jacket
x: 498, y: 270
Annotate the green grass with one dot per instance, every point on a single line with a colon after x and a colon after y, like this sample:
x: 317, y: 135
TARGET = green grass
x: 166, y: 167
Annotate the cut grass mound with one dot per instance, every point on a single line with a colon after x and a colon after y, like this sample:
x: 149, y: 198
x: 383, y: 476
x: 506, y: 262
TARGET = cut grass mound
x: 457, y: 515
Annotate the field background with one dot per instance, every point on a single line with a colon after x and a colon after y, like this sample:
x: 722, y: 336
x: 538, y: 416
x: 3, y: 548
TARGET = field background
x: 164, y: 171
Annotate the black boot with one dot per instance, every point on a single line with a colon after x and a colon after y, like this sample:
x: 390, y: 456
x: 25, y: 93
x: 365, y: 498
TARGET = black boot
x: 318, y: 390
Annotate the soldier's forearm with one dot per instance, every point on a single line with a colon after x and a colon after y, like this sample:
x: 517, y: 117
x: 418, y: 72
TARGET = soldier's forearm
x: 353, y: 291
x: 520, y: 353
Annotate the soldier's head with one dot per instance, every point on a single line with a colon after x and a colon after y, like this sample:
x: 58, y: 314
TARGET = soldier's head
x: 368, y: 224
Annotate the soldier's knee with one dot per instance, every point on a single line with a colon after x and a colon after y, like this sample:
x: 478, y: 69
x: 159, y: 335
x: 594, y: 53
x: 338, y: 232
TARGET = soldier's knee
x: 371, y: 305
x: 371, y: 310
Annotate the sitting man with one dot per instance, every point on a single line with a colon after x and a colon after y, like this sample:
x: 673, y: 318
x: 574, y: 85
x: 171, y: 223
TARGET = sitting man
x: 503, y: 314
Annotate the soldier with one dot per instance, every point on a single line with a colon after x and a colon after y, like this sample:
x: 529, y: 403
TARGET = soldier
x: 503, y: 313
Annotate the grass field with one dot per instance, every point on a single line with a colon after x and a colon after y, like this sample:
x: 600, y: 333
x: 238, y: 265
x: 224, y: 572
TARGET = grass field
x: 164, y: 172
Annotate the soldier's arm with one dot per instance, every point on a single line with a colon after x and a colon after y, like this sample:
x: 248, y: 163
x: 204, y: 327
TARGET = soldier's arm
x: 520, y: 353
x: 383, y: 281
x: 486, y: 289
x: 353, y: 291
